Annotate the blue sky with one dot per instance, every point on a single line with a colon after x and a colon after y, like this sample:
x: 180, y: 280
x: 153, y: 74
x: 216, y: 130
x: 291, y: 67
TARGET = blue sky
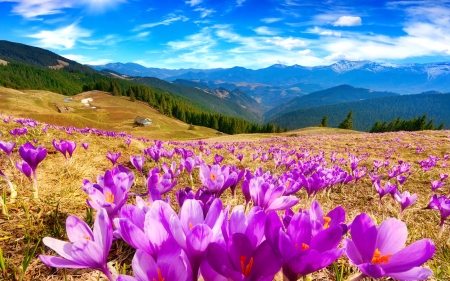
x: 249, y: 33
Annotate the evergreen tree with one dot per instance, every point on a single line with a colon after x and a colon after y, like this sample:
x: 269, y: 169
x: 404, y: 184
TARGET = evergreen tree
x: 131, y: 94
x: 114, y: 91
x: 324, y: 122
x: 347, y: 123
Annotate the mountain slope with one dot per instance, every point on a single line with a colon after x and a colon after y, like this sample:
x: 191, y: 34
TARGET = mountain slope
x: 236, y: 95
x: 16, y: 52
x: 367, y: 112
x: 210, y: 101
x: 335, y: 95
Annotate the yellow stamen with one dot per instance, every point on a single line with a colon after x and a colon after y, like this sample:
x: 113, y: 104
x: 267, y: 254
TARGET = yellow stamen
x: 109, y: 197
x: 213, y: 177
x: 327, y: 221
x: 379, y: 259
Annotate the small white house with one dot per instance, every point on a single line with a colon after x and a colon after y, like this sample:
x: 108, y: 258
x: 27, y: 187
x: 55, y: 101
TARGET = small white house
x: 86, y: 101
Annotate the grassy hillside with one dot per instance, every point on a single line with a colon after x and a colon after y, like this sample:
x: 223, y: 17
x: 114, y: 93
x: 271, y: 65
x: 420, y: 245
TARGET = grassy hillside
x: 111, y: 113
x: 367, y: 112
x: 335, y: 95
x: 16, y: 52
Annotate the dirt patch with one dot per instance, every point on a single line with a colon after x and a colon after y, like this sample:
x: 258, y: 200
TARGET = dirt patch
x: 61, y: 64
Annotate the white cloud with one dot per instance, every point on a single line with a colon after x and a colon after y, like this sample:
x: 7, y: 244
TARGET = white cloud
x: 348, y: 21
x: 271, y: 20
x: 169, y: 19
x: 193, y: 3
x: 240, y: 2
x: 63, y: 38
x: 287, y: 43
x: 199, y: 42
x: 324, y: 32
x: 264, y: 30
x: 305, y: 52
x: 204, y: 12
x: 340, y: 56
x: 34, y: 8
x: 86, y: 60
x: 142, y: 34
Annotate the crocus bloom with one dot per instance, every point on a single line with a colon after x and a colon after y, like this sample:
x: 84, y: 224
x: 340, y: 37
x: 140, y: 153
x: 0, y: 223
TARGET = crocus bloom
x: 85, y: 145
x: 33, y: 156
x: 242, y: 261
x: 379, y: 251
x: 162, y: 182
x: 113, y: 157
x: 170, y: 265
x: 302, y: 252
x: 86, y: 249
x: 319, y: 221
x: 389, y: 188
x: 436, y: 185
x: 24, y: 168
x: 7, y: 147
x: 193, y: 232
x: 111, y: 193
x: 405, y: 199
x: 442, y: 204
x: 138, y: 162
x: 269, y: 196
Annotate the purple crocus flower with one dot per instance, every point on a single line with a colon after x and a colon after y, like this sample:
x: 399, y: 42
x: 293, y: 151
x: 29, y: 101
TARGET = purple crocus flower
x: 184, y: 194
x: 24, y: 168
x: 242, y: 261
x: 319, y: 221
x: 388, y: 188
x: 86, y: 249
x: 218, y: 159
x: 379, y: 251
x: 302, y: 252
x: 33, y: 156
x: 405, y: 199
x: 111, y: 193
x: 113, y: 157
x: 436, y: 185
x: 442, y: 204
x: 7, y: 147
x: 162, y: 182
x: 65, y: 147
x: 193, y: 232
x: 138, y: 162
x: 170, y: 265
x: 239, y: 157
x: 85, y: 145
x: 268, y: 196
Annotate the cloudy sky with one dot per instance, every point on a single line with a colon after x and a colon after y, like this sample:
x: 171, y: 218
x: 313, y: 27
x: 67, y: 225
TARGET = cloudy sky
x: 227, y: 33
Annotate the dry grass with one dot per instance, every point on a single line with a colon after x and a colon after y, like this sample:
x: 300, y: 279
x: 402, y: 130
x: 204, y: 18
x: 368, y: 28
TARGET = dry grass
x: 30, y: 220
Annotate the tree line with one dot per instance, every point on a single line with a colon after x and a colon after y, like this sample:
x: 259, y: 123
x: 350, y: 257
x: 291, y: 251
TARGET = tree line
x: 21, y: 76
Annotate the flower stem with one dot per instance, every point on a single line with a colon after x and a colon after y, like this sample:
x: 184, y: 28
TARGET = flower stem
x: 35, y: 188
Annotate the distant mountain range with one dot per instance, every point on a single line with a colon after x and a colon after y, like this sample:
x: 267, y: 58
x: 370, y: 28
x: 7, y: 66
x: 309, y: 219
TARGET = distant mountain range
x: 367, y: 112
x: 134, y: 69
x: 335, y: 95
x: 408, y: 78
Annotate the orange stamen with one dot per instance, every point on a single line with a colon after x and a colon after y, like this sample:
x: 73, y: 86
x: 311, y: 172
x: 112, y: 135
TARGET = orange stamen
x: 288, y: 183
x: 327, y: 221
x: 213, y: 177
x: 246, y: 269
x: 305, y: 246
x: 109, y: 197
x: 379, y: 259
x: 87, y: 237
x: 160, y: 277
x: 190, y: 225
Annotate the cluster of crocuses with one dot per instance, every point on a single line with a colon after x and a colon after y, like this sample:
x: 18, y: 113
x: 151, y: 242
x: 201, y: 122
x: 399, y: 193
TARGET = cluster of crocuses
x: 31, y: 157
x: 205, y: 239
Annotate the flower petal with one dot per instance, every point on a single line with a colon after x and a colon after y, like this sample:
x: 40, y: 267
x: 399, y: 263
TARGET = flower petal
x: 364, y: 236
x: 60, y: 263
x: 392, y: 235
x: 62, y: 248
x: 416, y: 273
x: 413, y: 255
